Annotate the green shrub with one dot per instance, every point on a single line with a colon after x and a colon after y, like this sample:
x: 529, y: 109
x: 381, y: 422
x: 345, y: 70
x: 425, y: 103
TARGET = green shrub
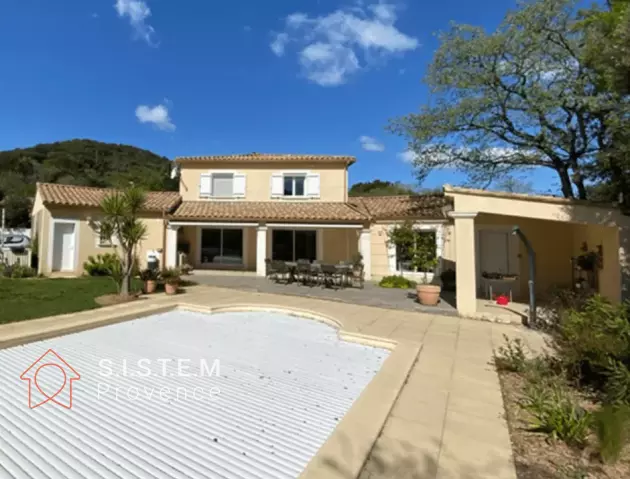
x: 17, y: 271
x: 556, y: 413
x: 396, y: 282
x: 612, y: 428
x: 102, y: 265
x: 512, y: 356
x: 588, y: 341
x: 617, y: 386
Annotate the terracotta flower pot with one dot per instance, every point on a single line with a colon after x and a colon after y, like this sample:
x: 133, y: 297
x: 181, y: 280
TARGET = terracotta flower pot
x: 171, y: 288
x: 428, y: 294
x: 150, y: 286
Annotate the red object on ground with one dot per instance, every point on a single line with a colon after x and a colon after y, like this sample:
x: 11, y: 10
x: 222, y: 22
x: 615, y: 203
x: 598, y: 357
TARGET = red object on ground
x: 502, y: 300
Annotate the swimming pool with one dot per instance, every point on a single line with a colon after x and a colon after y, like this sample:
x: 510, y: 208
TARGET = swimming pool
x: 250, y: 394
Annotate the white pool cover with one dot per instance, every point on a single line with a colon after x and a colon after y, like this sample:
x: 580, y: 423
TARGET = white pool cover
x: 283, y: 385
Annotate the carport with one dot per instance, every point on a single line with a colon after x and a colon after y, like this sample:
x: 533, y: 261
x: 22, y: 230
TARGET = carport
x: 558, y: 229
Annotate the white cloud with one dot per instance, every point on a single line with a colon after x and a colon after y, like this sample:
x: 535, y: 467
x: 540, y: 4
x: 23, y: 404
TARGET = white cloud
x: 279, y: 43
x: 327, y: 64
x: 407, y: 156
x: 371, y: 144
x: 331, y: 45
x: 137, y: 12
x: 156, y: 115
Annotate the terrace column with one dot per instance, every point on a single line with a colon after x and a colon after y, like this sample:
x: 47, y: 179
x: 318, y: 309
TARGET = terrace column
x: 261, y: 250
x: 171, y: 246
x: 465, y: 262
x: 365, y: 248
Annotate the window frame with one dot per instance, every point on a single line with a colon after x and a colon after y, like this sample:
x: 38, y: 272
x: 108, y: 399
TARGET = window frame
x: 215, y: 175
x: 294, y: 176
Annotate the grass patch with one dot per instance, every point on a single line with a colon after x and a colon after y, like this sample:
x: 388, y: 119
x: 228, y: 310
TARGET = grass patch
x: 22, y: 299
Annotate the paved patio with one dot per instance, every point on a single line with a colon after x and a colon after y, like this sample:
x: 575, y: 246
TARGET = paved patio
x: 370, y: 295
x: 447, y: 421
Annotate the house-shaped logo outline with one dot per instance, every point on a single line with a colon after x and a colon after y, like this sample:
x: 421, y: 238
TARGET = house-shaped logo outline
x: 70, y: 375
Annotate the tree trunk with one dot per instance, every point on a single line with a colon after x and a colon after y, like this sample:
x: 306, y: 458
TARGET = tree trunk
x: 565, y: 183
x: 124, y: 287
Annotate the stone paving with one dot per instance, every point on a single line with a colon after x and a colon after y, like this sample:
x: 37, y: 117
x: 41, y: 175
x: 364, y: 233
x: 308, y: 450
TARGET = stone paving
x: 448, y: 420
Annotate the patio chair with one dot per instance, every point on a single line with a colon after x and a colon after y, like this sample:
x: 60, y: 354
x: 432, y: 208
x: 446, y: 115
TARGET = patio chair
x: 303, y: 271
x: 317, y: 277
x: 270, y: 272
x: 282, y: 271
x: 331, y: 275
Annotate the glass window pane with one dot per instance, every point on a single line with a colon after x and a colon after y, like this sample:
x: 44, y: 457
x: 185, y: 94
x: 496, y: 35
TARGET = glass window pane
x: 305, y: 245
x: 299, y: 185
x: 232, y: 247
x: 210, y: 245
x: 282, y: 245
x: 426, y: 239
x: 288, y: 186
x: 222, y: 184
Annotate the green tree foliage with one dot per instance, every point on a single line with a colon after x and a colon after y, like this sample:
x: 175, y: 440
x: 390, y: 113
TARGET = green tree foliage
x: 121, y: 221
x: 77, y: 162
x: 520, y: 97
x: 380, y: 188
x: 607, y: 52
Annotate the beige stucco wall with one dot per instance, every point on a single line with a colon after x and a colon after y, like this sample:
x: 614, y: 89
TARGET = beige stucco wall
x: 339, y: 244
x: 556, y: 229
x: 87, y: 237
x: 333, y: 179
x: 380, y: 256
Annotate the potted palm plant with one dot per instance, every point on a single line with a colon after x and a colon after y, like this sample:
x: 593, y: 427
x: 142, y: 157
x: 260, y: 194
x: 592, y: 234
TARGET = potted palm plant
x: 423, y: 258
x: 150, y: 278
x: 171, y: 278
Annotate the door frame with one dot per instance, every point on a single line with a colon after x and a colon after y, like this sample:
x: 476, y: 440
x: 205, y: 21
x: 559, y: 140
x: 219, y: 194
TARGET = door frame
x: 51, y: 242
x: 244, y: 245
x: 319, y: 240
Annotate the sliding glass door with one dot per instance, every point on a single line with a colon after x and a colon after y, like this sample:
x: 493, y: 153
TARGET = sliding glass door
x: 291, y: 245
x: 221, y: 246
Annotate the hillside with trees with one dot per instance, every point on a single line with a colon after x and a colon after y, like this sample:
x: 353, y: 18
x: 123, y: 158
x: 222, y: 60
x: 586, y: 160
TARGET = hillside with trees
x: 380, y: 188
x: 76, y: 162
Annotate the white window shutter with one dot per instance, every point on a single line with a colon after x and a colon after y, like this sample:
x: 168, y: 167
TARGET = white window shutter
x: 239, y: 185
x: 277, y: 184
x: 312, y: 185
x: 205, y: 185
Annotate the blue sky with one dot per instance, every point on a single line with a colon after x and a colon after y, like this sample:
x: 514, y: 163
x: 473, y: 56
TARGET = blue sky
x: 207, y: 77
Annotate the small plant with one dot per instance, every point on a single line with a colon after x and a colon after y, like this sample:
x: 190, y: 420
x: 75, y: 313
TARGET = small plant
x: 617, y: 387
x: 101, y: 265
x: 357, y: 260
x: 556, y: 413
x: 512, y: 356
x: 149, y: 274
x: 396, y: 282
x: 186, y: 269
x: 612, y: 428
x: 171, y: 275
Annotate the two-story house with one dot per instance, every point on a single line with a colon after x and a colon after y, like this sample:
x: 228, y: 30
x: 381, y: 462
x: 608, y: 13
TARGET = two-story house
x: 234, y: 211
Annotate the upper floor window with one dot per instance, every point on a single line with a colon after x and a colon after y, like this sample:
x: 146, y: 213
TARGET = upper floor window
x: 222, y: 185
x: 294, y: 185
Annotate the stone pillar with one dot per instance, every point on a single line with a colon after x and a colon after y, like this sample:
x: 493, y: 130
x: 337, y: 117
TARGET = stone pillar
x: 365, y: 248
x: 171, y: 246
x: 261, y: 250
x: 466, y: 269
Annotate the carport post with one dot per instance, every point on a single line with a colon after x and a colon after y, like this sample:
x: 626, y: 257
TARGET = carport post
x: 531, y: 254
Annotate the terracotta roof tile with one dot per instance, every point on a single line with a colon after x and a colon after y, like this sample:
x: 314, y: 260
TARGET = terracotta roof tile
x: 267, y: 210
x: 265, y: 157
x: 434, y: 206
x: 71, y: 195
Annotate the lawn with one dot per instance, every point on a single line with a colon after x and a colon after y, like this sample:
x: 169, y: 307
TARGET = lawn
x: 22, y: 299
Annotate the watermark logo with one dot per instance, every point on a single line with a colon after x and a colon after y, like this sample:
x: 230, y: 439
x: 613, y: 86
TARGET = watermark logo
x: 50, y: 380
